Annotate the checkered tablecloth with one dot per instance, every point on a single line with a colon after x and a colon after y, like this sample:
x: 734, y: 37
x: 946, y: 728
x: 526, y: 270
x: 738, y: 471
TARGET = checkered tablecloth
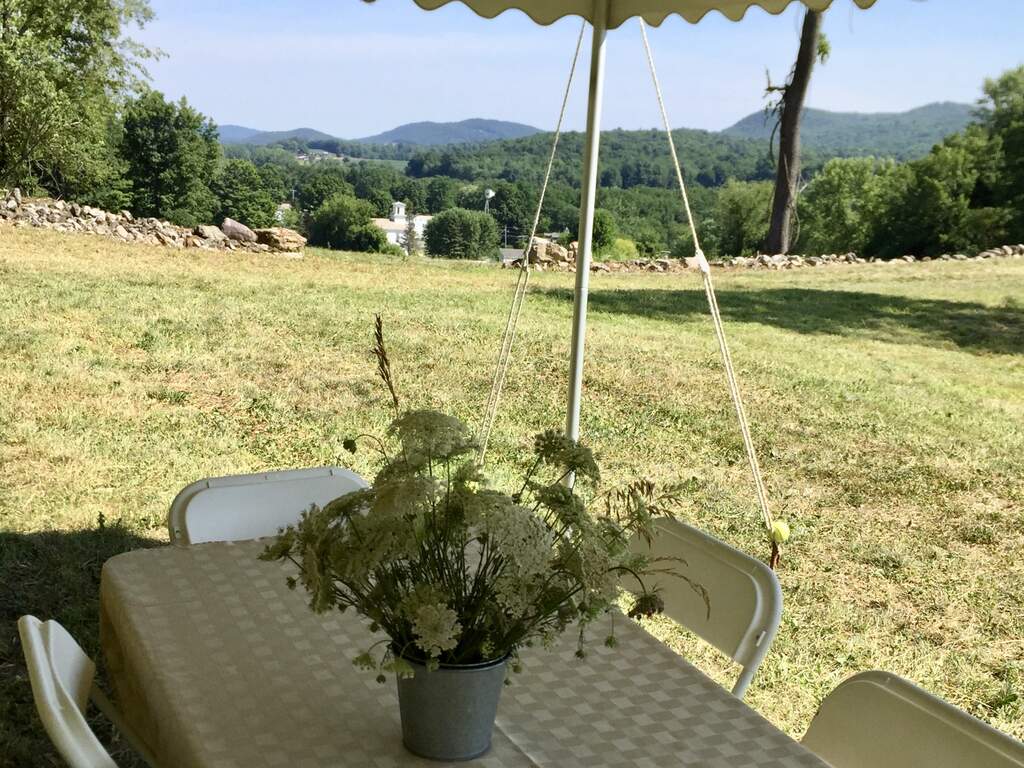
x: 217, y: 664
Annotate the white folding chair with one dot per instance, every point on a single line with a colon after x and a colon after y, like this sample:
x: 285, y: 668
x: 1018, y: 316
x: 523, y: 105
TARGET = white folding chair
x: 745, y: 597
x: 240, y: 507
x: 878, y: 720
x: 61, y: 675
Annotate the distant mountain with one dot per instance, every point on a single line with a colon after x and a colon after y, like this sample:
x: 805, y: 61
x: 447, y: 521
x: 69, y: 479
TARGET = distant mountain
x: 237, y: 134
x: 903, y: 135
x: 475, y: 131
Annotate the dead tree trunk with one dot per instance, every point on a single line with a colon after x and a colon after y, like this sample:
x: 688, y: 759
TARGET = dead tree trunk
x: 787, y: 173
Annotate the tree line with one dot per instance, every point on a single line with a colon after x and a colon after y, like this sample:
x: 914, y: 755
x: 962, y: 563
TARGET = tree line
x: 78, y: 121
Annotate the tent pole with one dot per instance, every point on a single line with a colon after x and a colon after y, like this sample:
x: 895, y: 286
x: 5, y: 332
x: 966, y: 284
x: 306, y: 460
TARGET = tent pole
x: 588, y: 193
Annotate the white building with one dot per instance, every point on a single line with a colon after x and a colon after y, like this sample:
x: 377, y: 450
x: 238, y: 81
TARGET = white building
x: 395, y: 225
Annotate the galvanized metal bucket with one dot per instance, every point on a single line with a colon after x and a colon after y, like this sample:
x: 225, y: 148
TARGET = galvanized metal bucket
x: 448, y: 714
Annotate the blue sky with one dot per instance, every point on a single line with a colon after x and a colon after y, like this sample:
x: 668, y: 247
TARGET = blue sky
x: 354, y: 69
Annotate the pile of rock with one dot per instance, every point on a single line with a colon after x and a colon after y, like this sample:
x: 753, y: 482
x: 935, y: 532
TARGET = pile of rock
x: 782, y: 261
x: 62, y: 216
x: 547, y: 255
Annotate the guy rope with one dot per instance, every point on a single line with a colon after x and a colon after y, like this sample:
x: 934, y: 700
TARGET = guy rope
x: 777, y: 532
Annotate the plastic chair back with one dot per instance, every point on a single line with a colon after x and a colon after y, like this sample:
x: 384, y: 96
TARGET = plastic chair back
x: 744, y: 593
x: 242, y: 507
x: 61, y: 675
x: 880, y: 720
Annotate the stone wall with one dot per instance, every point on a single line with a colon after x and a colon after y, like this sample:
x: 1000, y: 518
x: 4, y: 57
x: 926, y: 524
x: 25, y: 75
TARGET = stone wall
x: 61, y: 216
x: 546, y: 255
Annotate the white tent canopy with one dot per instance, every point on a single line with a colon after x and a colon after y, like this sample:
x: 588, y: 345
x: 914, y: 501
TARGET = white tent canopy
x: 618, y: 11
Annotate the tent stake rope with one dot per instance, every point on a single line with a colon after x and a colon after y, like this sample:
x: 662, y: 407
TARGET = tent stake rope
x: 515, y: 309
x: 716, y: 315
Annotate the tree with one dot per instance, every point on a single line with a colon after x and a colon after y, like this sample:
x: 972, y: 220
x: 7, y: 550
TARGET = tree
x: 343, y: 223
x: 441, y: 193
x: 943, y: 202
x: 461, y: 234
x: 790, y: 107
x: 844, y: 205
x: 171, y: 153
x: 242, y: 196
x: 411, y: 241
x: 512, y: 208
x: 320, y: 184
x: 605, y: 230
x: 64, y: 65
x: 1002, y: 113
x: 274, y: 181
x: 741, y: 217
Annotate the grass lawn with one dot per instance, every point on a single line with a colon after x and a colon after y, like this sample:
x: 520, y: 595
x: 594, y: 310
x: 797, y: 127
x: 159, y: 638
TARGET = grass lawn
x: 887, y: 403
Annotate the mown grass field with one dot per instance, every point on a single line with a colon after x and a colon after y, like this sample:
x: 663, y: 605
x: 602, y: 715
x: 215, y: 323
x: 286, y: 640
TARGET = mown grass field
x: 887, y: 404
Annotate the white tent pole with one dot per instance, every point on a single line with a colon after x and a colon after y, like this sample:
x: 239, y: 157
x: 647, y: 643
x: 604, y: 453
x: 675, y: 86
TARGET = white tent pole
x: 588, y: 193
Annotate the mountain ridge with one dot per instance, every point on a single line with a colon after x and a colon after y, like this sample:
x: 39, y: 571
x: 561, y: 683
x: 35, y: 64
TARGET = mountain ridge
x: 903, y: 135
x: 422, y: 134
x: 474, y: 130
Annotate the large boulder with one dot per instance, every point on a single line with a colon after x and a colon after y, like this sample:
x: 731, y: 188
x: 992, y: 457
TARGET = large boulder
x: 235, y: 230
x: 558, y: 253
x: 210, y: 233
x: 281, y: 239
x: 539, y: 250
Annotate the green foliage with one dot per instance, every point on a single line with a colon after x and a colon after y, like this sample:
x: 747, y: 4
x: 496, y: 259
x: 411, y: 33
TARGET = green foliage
x: 441, y: 192
x: 275, y: 181
x: 319, y: 184
x: 628, y: 159
x: 905, y: 136
x: 942, y: 202
x: 242, y: 196
x: 63, y: 64
x: 740, y: 222
x: 604, y: 231
x: 343, y: 223
x: 620, y: 249
x: 455, y: 572
x: 842, y: 207
x: 460, y: 234
x: 171, y: 155
x: 513, y: 207
x: 1002, y: 114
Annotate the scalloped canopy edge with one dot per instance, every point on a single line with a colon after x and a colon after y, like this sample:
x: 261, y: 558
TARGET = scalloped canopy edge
x: 654, y: 12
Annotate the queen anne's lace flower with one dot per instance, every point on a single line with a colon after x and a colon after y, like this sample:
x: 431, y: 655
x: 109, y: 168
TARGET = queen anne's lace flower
x: 436, y: 628
x: 455, y: 572
x: 431, y: 436
x: 521, y: 537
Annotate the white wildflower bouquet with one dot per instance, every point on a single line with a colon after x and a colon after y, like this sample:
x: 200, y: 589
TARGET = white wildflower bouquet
x: 455, y: 572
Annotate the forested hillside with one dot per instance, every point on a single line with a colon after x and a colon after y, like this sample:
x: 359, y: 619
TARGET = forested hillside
x: 628, y: 159
x: 900, y: 135
x: 472, y: 130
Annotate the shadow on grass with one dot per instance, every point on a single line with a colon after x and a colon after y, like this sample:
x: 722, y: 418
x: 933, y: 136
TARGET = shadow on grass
x: 52, y: 575
x: 969, y: 325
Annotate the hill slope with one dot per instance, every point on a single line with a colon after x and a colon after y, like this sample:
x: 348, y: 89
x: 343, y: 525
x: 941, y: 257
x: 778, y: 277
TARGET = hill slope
x: 465, y: 131
x: 239, y: 134
x: 903, y: 135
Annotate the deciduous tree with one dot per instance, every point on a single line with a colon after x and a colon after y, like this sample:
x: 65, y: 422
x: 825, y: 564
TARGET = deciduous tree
x: 461, y: 234
x: 171, y: 152
x: 64, y: 65
x: 242, y: 196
